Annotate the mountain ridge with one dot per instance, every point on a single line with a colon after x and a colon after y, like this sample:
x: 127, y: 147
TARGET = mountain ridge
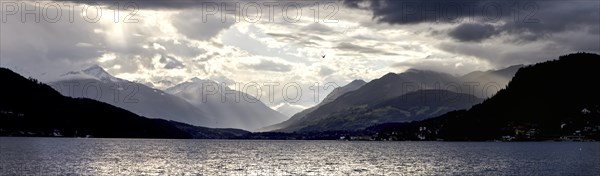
x: 393, y: 85
x: 228, y: 106
x: 31, y: 108
x: 339, y: 91
x: 172, y: 104
x: 412, y: 106
x: 95, y: 83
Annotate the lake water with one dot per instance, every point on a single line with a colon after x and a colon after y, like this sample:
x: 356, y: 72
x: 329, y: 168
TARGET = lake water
x: 62, y: 156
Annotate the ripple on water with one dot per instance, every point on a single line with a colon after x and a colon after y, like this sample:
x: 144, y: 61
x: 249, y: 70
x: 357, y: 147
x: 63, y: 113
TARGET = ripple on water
x: 61, y: 156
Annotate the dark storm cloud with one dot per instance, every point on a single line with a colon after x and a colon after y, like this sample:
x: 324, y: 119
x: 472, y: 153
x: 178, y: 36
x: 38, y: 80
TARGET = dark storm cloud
x: 206, y: 4
x: 417, y: 11
x: 534, y: 19
x: 153, y: 4
x: 558, y: 16
x: 472, y: 32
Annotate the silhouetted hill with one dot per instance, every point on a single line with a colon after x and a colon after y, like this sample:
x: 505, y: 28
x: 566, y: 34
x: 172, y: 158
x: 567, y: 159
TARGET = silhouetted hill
x: 544, y: 101
x: 30, y: 108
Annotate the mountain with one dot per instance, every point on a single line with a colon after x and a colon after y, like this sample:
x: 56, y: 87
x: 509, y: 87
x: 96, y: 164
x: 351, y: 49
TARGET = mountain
x: 30, y: 108
x: 489, y: 82
x: 339, y: 91
x: 297, y: 118
x: 543, y: 101
x: 97, y: 84
x: 231, y: 108
x: 502, y: 76
x: 391, y: 85
x: 288, y: 109
x: 413, y: 106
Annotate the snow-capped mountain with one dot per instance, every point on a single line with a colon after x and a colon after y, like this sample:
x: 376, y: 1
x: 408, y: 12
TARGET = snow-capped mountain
x: 231, y: 108
x: 95, y: 83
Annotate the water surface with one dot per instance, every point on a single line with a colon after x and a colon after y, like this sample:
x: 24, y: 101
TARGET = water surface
x: 61, y: 156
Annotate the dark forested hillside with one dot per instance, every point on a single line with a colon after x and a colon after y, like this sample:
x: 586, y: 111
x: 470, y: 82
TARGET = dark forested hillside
x: 549, y: 100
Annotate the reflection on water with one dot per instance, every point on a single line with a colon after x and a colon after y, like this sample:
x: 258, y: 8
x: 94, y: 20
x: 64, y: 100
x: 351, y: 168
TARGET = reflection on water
x: 61, y: 156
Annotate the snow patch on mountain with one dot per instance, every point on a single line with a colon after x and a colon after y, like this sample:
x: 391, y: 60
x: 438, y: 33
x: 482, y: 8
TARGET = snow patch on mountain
x: 94, y: 72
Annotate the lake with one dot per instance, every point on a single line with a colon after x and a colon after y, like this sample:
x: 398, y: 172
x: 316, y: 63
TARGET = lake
x: 62, y: 156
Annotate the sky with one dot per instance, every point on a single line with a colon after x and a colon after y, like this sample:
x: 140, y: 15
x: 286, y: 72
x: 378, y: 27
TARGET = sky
x: 313, y: 46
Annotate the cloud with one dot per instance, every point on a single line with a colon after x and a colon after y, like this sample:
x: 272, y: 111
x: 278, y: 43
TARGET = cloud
x: 158, y: 4
x: 268, y: 65
x: 494, y: 35
x: 472, y: 32
x: 171, y: 43
x: 325, y: 71
x: 46, y: 49
x: 170, y: 62
x: 192, y: 24
x: 534, y: 19
x: 288, y: 38
x: 253, y: 40
x: 443, y: 63
x: 182, y: 48
x: 360, y: 49
x: 502, y: 55
x: 318, y: 28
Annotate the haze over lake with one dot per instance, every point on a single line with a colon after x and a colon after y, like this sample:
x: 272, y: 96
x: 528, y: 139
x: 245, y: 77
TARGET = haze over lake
x: 65, y: 156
